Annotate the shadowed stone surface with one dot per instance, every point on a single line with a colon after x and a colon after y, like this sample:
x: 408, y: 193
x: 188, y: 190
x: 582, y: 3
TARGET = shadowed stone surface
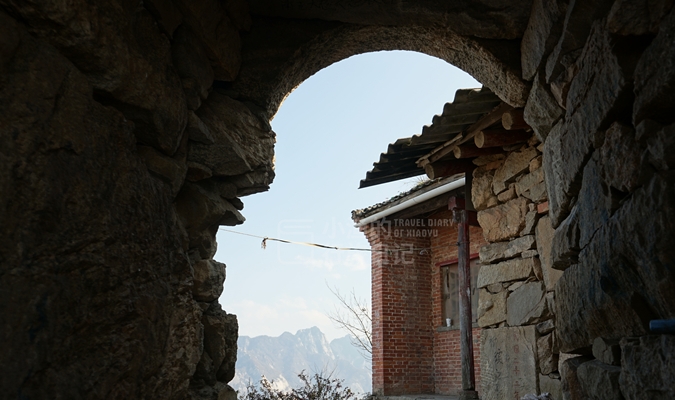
x: 476, y: 18
x: 129, y: 72
x: 95, y: 285
x: 641, y: 17
x: 209, y: 277
x: 242, y: 143
x: 527, y: 304
x: 607, y: 351
x: 622, y: 284
x: 599, y: 93
x: 565, y: 246
x: 655, y: 77
x: 571, y: 385
x: 551, y: 386
x: 547, y: 359
x: 541, y: 110
x: 544, y: 236
x: 543, y: 30
x: 648, y: 367
x: 599, y: 381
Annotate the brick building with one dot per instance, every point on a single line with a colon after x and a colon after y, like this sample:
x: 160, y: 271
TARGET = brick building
x: 414, y: 290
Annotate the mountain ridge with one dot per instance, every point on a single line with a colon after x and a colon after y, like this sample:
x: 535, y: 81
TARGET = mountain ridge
x: 280, y: 359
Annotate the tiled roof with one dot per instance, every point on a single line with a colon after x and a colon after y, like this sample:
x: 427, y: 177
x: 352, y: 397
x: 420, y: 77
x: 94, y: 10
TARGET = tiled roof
x: 399, y: 162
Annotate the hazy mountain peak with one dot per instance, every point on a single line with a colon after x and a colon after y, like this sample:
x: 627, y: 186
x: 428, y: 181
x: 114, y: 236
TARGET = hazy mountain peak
x: 282, y: 358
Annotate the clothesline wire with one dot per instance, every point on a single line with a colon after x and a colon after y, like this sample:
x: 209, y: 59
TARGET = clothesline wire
x: 323, y: 246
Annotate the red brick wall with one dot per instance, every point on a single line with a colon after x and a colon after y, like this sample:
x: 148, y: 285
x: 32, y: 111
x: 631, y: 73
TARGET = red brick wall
x: 410, y: 354
x: 447, y: 362
x: 401, y: 304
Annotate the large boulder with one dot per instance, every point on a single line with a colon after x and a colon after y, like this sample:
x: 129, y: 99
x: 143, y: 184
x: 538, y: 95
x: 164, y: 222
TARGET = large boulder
x: 220, y: 346
x: 541, y: 111
x: 482, y: 196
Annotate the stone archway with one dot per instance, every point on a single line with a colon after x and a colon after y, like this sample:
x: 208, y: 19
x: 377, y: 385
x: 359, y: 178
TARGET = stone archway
x: 120, y: 155
x: 270, y: 73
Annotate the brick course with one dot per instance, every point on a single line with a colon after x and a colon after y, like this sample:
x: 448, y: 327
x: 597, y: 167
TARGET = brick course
x: 410, y: 354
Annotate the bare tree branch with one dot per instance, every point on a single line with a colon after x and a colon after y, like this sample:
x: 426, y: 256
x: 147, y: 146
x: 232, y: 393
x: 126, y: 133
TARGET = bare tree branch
x: 353, y: 315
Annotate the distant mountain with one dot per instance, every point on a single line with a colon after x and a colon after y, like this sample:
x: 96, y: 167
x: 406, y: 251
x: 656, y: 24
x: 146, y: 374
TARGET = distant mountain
x: 282, y: 358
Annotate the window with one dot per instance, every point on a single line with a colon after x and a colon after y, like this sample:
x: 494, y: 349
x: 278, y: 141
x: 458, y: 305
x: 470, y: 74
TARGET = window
x: 450, y: 293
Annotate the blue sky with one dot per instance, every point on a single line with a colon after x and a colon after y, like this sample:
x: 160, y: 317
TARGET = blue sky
x: 329, y: 132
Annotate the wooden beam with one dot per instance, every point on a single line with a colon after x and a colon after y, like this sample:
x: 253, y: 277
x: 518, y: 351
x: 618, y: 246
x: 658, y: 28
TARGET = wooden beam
x: 446, y: 148
x: 470, y: 150
x: 439, y: 152
x: 465, y: 319
x: 500, y: 137
x: 489, y: 119
x: 448, y: 168
x: 513, y: 120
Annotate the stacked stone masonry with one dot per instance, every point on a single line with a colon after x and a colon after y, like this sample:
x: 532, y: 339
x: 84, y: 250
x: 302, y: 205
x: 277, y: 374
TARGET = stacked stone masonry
x: 605, y: 251
x: 129, y: 130
x: 516, y: 279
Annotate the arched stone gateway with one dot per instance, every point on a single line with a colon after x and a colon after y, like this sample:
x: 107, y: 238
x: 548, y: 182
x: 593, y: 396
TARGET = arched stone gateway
x: 312, y: 46
x: 129, y: 130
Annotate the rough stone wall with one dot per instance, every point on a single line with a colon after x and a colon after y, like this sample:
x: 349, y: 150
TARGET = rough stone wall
x: 401, y: 307
x: 118, y: 161
x: 516, y: 281
x: 601, y: 103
